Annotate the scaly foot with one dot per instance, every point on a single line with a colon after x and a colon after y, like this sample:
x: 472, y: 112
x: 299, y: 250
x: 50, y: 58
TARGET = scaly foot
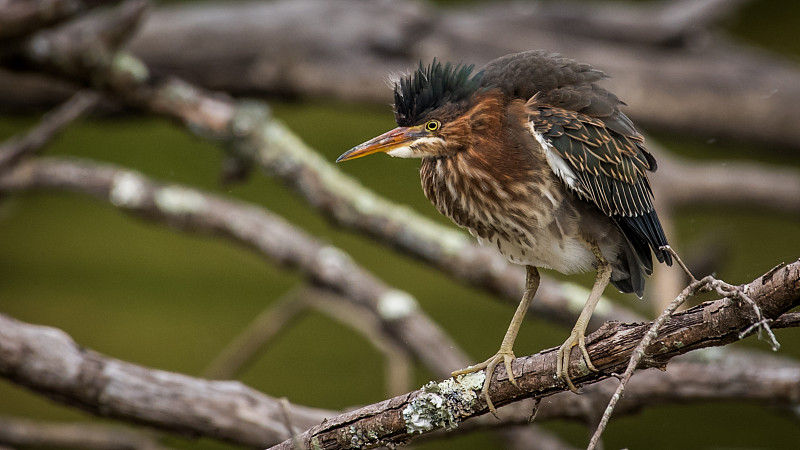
x: 501, y: 356
x: 562, y: 364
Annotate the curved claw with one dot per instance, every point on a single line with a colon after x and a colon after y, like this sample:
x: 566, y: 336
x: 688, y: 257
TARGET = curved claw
x: 562, y: 364
x: 506, y: 357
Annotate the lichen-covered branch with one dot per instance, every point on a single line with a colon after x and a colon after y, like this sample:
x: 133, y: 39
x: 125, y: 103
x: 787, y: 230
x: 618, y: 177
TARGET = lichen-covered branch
x: 674, y: 68
x: 191, y: 210
x: 447, y: 403
x: 716, y: 374
x: 30, y: 355
x: 257, y: 229
x: 248, y: 132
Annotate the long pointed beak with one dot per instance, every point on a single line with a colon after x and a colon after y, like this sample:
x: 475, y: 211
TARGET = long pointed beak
x: 399, y: 137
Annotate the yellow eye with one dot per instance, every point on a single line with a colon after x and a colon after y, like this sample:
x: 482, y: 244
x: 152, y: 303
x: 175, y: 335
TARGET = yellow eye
x: 432, y: 125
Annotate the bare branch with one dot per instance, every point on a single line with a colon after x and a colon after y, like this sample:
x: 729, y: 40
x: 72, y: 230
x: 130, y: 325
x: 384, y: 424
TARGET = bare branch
x: 690, y: 78
x: 48, y: 361
x: 446, y: 404
x: 250, y: 133
x: 255, y: 228
x: 255, y: 336
x: 739, y: 375
x: 279, y: 314
x: 715, y: 374
x: 41, y: 434
x: 680, y: 182
x: 85, y: 50
x: 695, y: 377
x: 48, y: 128
x: 788, y: 320
x: 708, y: 283
x: 397, y: 361
x: 655, y: 24
x: 21, y: 17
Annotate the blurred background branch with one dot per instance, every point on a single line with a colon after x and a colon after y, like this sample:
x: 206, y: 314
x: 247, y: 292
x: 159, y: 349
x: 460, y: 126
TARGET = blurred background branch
x: 670, y: 61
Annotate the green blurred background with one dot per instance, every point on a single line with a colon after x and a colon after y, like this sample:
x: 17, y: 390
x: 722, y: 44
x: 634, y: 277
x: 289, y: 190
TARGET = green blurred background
x: 146, y: 294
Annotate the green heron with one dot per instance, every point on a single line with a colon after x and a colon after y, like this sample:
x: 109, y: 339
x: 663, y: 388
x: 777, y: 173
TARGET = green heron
x: 533, y: 157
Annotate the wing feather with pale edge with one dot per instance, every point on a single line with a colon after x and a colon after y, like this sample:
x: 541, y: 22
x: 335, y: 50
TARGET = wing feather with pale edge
x: 611, y: 168
x: 602, y: 166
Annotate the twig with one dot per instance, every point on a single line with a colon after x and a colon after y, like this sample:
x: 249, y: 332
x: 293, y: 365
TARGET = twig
x: 707, y: 283
x: 287, y: 420
x: 244, y: 347
x: 761, y: 323
x: 397, y: 361
x: 47, y: 129
x: 277, y: 316
x: 639, y: 352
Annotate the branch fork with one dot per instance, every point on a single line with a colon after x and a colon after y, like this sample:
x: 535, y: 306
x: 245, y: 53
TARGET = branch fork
x: 706, y: 284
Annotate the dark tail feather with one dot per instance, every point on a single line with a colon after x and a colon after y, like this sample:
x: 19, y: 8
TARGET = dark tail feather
x: 643, y: 235
x: 633, y: 271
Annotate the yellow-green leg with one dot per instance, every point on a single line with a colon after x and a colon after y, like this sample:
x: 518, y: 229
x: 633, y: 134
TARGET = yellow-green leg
x: 578, y: 335
x: 506, y: 352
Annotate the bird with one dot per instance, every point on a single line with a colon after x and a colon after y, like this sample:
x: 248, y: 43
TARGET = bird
x: 535, y: 158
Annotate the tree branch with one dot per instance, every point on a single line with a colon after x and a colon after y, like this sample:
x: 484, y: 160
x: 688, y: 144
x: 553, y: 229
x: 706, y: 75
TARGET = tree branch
x: 42, y: 434
x: 48, y: 128
x: 680, y: 73
x: 21, y: 17
x: 681, y: 182
x: 37, y: 355
x: 702, y: 376
x: 447, y: 403
x: 195, y: 211
x: 251, y: 134
x: 255, y: 228
x: 49, y: 362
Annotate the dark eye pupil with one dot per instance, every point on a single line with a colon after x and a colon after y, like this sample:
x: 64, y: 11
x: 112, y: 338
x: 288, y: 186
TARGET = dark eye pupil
x: 432, y: 126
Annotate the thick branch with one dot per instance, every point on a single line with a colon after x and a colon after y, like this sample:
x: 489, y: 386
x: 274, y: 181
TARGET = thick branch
x: 739, y: 376
x: 21, y: 17
x: 447, y: 403
x: 658, y: 24
x: 732, y: 375
x: 40, y: 434
x: 41, y: 356
x: 688, y: 78
x: 256, y: 229
x: 251, y: 134
x: 49, y: 362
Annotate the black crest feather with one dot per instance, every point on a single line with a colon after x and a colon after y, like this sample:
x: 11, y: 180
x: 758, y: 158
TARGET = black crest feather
x: 430, y: 87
